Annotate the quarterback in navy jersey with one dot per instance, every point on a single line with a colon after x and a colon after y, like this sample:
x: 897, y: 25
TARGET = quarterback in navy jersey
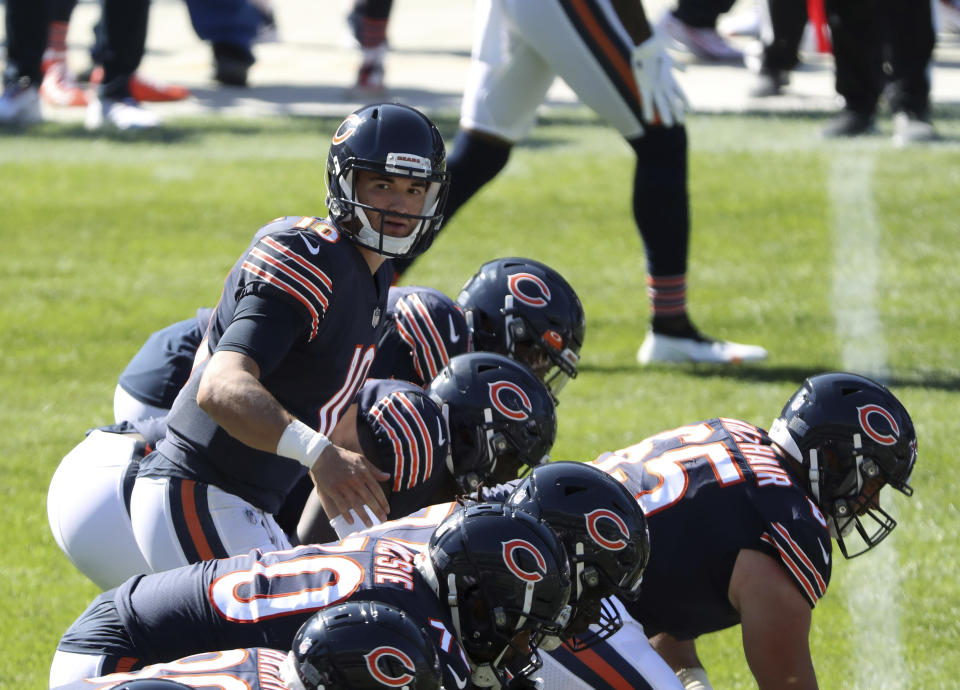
x: 480, y: 579
x: 290, y: 342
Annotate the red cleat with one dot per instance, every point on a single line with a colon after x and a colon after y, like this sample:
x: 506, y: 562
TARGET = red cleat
x: 59, y: 87
x: 145, y: 90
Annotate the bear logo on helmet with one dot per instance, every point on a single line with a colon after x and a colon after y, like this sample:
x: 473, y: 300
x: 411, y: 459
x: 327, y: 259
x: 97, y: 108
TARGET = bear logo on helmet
x: 513, y: 554
x: 868, y: 420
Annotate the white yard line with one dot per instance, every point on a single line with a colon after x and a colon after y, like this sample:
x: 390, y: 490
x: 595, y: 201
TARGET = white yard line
x: 873, y: 579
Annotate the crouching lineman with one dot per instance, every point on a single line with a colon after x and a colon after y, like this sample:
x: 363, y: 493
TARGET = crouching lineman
x: 364, y: 645
x: 489, y: 584
x: 765, y: 506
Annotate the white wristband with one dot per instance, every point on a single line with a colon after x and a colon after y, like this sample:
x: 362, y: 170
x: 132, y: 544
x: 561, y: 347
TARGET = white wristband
x: 302, y: 443
x: 694, y: 678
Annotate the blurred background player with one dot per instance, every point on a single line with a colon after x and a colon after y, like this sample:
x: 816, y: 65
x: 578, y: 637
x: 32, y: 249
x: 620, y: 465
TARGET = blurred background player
x: 362, y: 644
x: 368, y: 23
x: 883, y: 47
x: 59, y: 86
x: 606, y: 52
x: 692, y: 26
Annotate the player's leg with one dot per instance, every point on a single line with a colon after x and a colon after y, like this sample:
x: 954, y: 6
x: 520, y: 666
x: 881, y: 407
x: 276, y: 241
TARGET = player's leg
x: 368, y: 22
x: 87, y: 507
x: 180, y: 521
x: 124, y: 36
x: 94, y: 645
x: 587, y: 46
x: 507, y: 82
x: 912, y: 40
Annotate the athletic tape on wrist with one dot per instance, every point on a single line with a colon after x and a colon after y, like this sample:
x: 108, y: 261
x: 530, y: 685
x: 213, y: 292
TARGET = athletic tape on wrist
x: 302, y: 443
x: 694, y: 678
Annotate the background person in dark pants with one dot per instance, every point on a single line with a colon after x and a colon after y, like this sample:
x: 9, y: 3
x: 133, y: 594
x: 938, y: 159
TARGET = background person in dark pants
x: 881, y: 44
x: 120, y: 50
x: 781, y: 44
x: 26, y: 27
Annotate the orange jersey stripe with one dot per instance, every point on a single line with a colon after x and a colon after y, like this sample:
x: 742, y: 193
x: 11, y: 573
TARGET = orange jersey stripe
x: 187, y: 491
x: 596, y: 664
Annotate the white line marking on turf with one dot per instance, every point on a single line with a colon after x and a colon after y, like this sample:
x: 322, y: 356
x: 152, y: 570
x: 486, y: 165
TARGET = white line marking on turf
x: 872, y: 580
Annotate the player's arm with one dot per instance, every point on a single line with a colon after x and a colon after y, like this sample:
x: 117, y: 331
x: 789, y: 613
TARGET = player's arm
x: 681, y: 656
x: 231, y: 393
x: 775, y: 623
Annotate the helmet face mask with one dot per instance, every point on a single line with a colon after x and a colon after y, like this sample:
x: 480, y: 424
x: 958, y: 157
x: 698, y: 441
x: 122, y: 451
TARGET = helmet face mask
x: 525, y: 310
x: 506, y: 578
x: 605, y: 534
x: 853, y: 437
x: 501, y: 418
x: 389, y: 141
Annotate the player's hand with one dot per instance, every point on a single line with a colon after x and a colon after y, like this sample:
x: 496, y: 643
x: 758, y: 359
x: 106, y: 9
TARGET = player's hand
x: 346, y: 480
x: 660, y: 93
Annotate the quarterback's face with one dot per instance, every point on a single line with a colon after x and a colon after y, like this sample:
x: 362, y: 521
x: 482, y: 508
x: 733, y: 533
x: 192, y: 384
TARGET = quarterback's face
x: 401, y: 195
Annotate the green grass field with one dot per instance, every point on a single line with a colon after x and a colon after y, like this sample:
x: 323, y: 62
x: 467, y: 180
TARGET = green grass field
x: 840, y: 256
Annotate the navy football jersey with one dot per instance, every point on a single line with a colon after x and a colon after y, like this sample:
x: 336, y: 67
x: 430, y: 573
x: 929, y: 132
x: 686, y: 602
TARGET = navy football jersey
x: 252, y: 669
x: 423, y: 330
x: 262, y: 599
x: 302, y: 268
x: 161, y: 366
x: 411, y: 443
x: 710, y: 489
x: 401, y: 432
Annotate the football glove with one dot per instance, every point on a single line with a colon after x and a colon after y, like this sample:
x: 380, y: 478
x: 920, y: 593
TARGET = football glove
x: 660, y: 93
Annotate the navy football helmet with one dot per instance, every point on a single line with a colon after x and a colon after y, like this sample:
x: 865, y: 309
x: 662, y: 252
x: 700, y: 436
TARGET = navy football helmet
x: 424, y: 328
x: 604, y: 532
x: 501, y: 418
x: 852, y: 437
x: 526, y: 310
x: 362, y: 644
x: 397, y: 141
x: 503, y: 573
